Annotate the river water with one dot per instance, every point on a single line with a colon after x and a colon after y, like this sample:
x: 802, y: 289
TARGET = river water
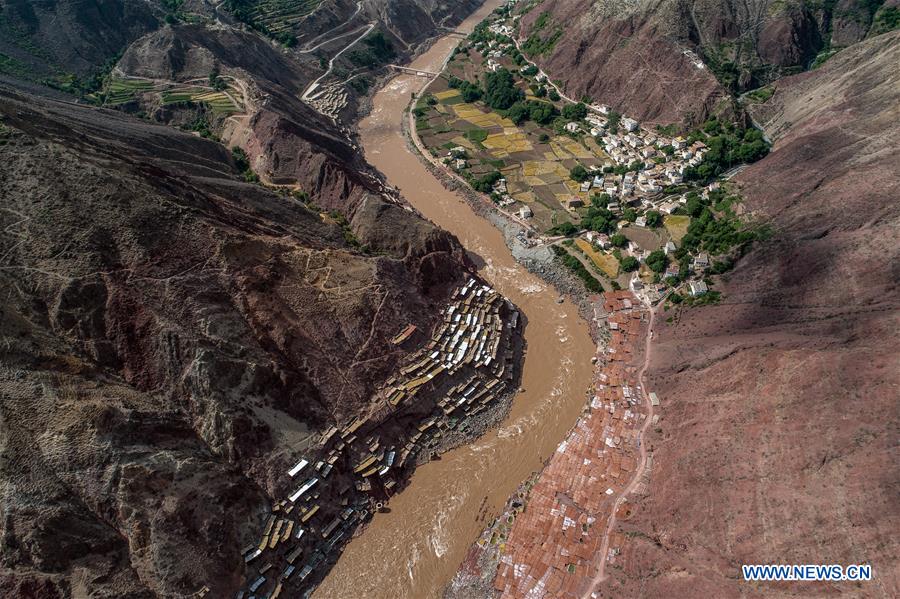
x: 414, y: 550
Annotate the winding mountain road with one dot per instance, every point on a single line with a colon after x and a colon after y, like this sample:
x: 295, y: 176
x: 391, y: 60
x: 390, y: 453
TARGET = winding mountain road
x: 312, y: 86
x: 307, y: 49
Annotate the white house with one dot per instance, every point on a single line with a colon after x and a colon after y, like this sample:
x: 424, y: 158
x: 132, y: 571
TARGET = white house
x: 636, y: 283
x: 701, y: 262
x: 698, y: 288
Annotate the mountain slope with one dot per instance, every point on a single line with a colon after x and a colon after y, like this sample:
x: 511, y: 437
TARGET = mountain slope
x: 170, y: 333
x: 636, y: 55
x: 776, y: 443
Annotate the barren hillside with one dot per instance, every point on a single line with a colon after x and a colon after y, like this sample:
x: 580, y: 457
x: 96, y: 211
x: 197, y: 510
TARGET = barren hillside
x: 779, y: 406
x: 636, y: 55
x: 169, y: 333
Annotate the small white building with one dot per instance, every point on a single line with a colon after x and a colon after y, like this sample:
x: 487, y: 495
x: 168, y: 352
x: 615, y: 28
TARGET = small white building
x: 525, y: 212
x: 572, y: 127
x: 701, y: 262
x: 629, y: 124
x: 636, y: 283
x: 698, y: 288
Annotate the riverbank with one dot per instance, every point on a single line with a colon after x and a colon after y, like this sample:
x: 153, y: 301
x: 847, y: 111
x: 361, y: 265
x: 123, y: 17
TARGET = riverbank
x: 537, y: 258
x: 557, y: 534
x: 413, y: 550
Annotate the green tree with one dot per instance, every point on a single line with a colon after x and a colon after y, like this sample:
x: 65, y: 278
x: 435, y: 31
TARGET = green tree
x: 654, y: 218
x: 541, y: 112
x: 657, y: 261
x: 600, y: 200
x: 553, y: 94
x: 618, y: 240
x: 602, y: 224
x: 500, y: 90
x: 630, y: 264
x: 565, y: 228
x: 518, y: 113
x: 574, y: 112
x: 215, y: 80
x: 579, y: 173
x: 613, y: 119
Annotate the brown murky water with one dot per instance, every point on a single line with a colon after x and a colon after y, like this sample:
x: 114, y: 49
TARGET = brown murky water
x: 413, y: 551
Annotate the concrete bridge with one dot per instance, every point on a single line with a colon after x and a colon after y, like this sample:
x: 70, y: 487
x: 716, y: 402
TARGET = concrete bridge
x: 417, y: 72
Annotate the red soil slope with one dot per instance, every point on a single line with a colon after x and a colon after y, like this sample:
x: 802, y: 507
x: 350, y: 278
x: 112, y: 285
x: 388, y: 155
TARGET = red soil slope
x: 777, y: 442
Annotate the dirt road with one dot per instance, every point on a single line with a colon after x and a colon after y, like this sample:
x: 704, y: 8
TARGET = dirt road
x: 642, y: 464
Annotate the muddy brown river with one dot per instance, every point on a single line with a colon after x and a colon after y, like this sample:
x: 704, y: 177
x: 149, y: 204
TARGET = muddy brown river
x: 414, y: 550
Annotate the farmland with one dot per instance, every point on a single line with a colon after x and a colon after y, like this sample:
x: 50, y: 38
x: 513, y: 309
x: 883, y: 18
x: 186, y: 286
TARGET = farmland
x: 677, y: 225
x: 536, y: 161
x: 605, y: 262
x: 122, y: 91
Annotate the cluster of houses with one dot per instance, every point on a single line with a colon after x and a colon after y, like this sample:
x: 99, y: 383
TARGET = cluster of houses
x: 632, y: 146
x: 553, y: 537
x: 466, y: 365
x: 456, y: 158
x: 629, y: 145
x: 651, y: 293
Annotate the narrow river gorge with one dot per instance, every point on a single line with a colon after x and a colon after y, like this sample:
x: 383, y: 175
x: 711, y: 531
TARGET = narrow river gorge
x: 413, y: 550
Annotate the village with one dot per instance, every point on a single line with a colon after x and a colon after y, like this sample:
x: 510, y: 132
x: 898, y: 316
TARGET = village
x: 454, y: 385
x: 554, y: 533
x: 621, y: 205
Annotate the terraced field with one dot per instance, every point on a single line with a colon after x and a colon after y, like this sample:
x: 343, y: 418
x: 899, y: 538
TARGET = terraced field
x: 122, y: 91
x: 605, y: 262
x: 278, y: 16
x: 677, y: 225
x: 219, y: 102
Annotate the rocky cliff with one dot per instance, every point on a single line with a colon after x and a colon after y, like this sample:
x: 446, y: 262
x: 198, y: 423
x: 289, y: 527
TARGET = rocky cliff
x: 779, y: 415
x: 169, y: 333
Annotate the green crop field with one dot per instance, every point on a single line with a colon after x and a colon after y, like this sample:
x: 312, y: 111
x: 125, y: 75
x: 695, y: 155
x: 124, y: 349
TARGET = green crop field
x: 120, y: 91
x: 281, y: 15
